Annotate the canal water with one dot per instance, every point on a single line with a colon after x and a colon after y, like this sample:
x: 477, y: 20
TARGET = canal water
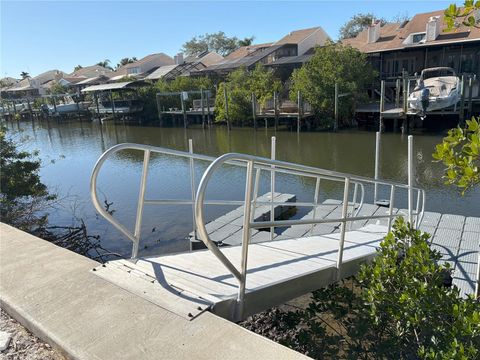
x: 69, y: 151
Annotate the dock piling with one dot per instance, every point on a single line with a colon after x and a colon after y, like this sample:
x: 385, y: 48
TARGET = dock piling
x: 461, y: 115
x: 202, y: 99
x: 377, y: 165
x: 159, y: 109
x: 254, y: 111
x: 192, y: 188
x: 225, y: 97
x: 275, y: 108
x: 470, y: 90
x: 300, y: 107
x: 335, y: 126
x: 382, y: 105
x: 410, y: 179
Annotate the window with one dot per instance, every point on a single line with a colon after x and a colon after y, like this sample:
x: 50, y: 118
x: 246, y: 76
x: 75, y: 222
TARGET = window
x: 133, y: 70
x: 416, y: 38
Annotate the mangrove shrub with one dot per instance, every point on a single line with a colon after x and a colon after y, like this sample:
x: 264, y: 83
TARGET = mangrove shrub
x: 240, y: 85
x: 331, y: 64
x: 23, y: 197
x: 398, y: 307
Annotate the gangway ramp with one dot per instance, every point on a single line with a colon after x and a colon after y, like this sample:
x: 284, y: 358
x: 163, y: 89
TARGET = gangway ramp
x: 192, y: 282
x: 239, y: 280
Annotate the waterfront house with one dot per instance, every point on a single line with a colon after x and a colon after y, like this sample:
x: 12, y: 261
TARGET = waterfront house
x: 419, y: 43
x: 33, y: 86
x: 295, y: 44
x: 143, y: 67
x: 91, y: 72
x: 185, y: 66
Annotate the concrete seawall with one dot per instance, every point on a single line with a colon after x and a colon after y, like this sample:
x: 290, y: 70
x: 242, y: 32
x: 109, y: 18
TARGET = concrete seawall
x: 52, y: 292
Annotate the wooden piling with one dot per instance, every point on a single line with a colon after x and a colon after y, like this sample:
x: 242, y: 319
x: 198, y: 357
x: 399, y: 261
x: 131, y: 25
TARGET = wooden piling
x: 299, y: 108
x: 405, y: 105
x: 225, y: 98
x: 335, y: 125
x: 254, y: 111
x: 381, y: 127
x: 209, y: 120
x: 202, y: 99
x: 470, y: 90
x: 54, y: 104
x: 461, y: 115
x: 397, y: 93
x: 184, y: 110
x: 113, y: 104
x: 159, y: 109
x: 275, y: 112
x: 97, y: 105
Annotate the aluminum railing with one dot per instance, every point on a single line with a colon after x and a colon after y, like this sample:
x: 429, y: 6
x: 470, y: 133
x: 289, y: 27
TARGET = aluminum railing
x: 135, y: 236
x: 251, y: 188
x: 350, y: 207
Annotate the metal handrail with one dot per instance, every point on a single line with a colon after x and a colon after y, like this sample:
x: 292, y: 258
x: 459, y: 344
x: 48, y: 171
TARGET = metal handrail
x: 251, y: 190
x: 249, y: 224
x: 142, y: 201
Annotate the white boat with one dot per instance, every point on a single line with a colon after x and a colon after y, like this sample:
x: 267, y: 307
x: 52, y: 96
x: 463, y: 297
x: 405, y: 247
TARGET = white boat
x: 437, y: 88
x: 69, y: 106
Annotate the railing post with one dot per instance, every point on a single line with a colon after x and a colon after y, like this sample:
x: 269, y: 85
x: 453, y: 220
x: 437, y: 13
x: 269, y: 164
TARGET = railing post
x: 410, y: 179
x: 272, y: 184
x: 141, y: 200
x: 247, y: 208
x: 390, y: 208
x: 377, y: 165
x: 343, y: 227
x: 315, y: 201
x: 354, y: 202
x: 192, y: 188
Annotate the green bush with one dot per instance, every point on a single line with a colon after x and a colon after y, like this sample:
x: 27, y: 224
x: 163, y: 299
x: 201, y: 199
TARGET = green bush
x: 240, y: 85
x: 23, y: 197
x: 460, y: 152
x: 398, y: 307
x: 331, y: 64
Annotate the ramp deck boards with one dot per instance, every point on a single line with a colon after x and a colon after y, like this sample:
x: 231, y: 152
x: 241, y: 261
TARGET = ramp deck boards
x: 298, y: 260
x: 201, y: 278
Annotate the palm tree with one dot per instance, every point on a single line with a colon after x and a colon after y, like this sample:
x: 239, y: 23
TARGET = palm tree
x: 246, y: 42
x: 24, y: 74
x: 105, y: 63
x: 126, y: 61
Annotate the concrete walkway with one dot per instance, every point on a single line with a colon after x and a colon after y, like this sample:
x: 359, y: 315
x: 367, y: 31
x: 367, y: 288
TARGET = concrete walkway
x: 54, y: 294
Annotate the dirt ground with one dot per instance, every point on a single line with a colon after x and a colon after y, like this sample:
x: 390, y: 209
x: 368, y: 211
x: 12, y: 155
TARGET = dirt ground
x: 23, y: 345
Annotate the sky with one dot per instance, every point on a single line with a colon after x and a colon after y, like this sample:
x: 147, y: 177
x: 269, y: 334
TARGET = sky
x: 37, y: 36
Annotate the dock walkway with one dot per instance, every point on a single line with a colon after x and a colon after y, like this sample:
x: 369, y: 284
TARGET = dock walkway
x: 300, y: 259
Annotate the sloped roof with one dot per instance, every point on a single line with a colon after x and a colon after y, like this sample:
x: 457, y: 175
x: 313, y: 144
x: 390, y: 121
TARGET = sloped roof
x: 301, y: 59
x: 297, y: 36
x: 49, y: 76
x: 161, y: 72
x: 393, y: 35
x: 207, y: 58
x: 245, y: 50
x: 22, y: 85
x: 160, y: 56
x: 246, y: 61
x: 91, y: 71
